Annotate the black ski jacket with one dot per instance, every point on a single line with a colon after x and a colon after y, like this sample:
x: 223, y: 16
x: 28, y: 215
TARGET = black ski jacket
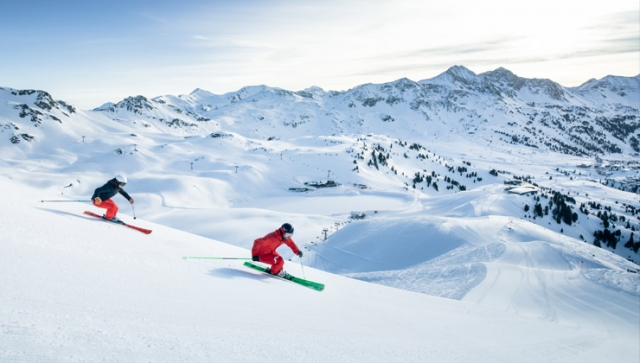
x: 108, y: 190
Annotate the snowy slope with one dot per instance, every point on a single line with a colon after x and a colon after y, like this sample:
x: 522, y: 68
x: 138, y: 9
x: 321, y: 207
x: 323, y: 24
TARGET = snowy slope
x: 79, y: 289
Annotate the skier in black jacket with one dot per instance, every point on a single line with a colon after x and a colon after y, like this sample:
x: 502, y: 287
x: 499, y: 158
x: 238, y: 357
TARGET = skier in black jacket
x: 102, y: 197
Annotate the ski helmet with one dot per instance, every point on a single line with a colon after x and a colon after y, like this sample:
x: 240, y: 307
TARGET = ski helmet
x: 287, y: 228
x: 122, y: 180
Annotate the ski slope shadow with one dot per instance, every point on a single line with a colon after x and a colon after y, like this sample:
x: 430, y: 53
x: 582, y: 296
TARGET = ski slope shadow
x: 231, y: 273
x: 81, y: 215
x: 238, y: 273
x: 62, y: 213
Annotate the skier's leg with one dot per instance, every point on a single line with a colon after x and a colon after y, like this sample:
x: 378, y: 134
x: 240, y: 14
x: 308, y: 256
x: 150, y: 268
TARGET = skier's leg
x: 112, y: 208
x: 277, y: 264
x: 104, y: 205
x: 273, y: 259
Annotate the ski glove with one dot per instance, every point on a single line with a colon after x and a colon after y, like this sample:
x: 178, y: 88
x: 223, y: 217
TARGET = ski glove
x: 255, y: 258
x: 300, y: 254
x: 131, y: 201
x: 97, y: 201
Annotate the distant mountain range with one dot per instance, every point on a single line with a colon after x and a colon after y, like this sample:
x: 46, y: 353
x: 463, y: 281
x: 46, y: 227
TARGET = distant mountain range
x: 403, y: 135
x: 599, y: 117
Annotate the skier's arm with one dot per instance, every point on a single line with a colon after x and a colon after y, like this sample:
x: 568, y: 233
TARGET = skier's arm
x: 126, y: 195
x: 293, y: 246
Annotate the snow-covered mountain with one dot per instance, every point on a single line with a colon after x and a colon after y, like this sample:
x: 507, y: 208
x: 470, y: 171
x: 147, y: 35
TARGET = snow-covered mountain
x: 398, y: 134
x: 514, y: 195
x: 599, y: 117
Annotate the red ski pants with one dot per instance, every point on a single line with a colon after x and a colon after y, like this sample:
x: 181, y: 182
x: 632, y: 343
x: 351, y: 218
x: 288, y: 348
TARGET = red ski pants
x: 110, y: 206
x: 275, y: 260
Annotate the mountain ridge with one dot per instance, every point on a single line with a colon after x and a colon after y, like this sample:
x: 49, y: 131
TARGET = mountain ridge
x: 598, y: 117
x: 393, y: 136
x: 535, y: 112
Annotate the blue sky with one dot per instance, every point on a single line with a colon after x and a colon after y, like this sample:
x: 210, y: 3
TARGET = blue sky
x: 91, y: 52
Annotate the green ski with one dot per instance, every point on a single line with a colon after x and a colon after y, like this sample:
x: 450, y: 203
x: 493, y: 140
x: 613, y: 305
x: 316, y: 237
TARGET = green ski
x: 310, y: 284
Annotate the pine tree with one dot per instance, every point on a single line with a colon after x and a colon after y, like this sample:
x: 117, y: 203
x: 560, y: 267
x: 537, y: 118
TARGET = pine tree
x: 630, y: 243
x: 537, y: 210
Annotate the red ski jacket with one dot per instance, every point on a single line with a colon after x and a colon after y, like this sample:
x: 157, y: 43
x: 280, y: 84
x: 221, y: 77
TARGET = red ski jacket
x: 270, y: 242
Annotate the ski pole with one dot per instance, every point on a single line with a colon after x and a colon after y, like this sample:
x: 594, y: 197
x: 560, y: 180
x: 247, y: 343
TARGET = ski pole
x: 65, y: 201
x: 302, y: 266
x: 214, y: 258
x: 134, y: 212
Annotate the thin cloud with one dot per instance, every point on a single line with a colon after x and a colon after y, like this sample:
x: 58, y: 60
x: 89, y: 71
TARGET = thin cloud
x: 610, y: 47
x: 626, y: 20
x: 469, y: 48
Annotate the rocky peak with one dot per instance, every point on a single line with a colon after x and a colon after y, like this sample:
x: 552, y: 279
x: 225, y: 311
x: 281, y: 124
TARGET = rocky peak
x: 135, y: 104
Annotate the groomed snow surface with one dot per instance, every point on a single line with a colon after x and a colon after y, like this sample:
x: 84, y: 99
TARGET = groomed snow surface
x: 475, y: 288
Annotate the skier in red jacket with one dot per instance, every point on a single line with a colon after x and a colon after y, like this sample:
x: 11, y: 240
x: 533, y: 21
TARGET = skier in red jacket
x: 264, y: 249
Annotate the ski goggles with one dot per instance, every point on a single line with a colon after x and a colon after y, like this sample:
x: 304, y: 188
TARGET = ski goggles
x: 288, y: 235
